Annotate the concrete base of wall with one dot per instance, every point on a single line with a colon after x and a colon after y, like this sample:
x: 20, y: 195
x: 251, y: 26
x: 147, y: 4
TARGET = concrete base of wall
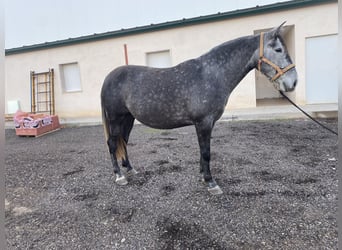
x: 281, y: 112
x: 258, y: 113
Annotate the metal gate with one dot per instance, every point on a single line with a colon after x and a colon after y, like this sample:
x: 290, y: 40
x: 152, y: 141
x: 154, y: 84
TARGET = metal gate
x: 42, y: 92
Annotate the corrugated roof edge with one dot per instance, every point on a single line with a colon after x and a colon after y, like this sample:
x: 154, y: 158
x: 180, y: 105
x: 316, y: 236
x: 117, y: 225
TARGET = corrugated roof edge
x: 169, y: 25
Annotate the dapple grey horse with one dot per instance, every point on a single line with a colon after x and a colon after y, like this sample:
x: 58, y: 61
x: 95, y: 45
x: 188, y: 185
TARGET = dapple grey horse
x: 194, y: 92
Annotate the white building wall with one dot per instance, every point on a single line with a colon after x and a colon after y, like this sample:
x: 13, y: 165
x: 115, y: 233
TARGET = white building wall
x: 97, y: 59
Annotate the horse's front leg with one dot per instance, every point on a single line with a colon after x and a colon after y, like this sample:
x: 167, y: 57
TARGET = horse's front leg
x: 203, y: 130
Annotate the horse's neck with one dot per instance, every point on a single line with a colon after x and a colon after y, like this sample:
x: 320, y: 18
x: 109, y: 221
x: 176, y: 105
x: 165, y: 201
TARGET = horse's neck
x: 234, y: 59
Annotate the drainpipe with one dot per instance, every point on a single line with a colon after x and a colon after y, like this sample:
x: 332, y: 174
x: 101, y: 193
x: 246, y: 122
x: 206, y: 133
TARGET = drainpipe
x: 126, y: 54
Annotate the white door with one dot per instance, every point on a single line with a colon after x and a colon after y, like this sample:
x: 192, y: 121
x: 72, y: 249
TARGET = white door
x: 321, y: 70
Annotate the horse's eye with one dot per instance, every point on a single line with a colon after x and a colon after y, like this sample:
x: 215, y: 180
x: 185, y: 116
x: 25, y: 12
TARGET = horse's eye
x: 278, y: 50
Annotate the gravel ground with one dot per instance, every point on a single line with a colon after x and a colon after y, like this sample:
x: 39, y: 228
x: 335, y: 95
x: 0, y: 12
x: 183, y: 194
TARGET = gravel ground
x: 278, y: 177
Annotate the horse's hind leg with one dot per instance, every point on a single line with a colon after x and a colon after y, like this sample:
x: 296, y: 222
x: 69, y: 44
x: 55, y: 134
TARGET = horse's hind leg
x: 113, y: 141
x: 126, y: 130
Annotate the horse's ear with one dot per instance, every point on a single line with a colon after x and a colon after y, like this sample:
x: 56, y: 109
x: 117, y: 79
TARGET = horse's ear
x: 275, y: 32
x: 279, y: 29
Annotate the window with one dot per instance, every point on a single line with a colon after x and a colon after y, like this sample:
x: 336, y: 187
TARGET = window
x: 70, y: 77
x: 160, y: 59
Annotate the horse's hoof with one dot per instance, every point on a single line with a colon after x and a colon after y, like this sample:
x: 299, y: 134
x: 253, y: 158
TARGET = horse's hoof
x: 214, y: 189
x: 132, y: 172
x: 121, y: 180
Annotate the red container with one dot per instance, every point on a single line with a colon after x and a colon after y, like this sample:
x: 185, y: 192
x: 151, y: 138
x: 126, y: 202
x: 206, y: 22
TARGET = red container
x: 27, y: 124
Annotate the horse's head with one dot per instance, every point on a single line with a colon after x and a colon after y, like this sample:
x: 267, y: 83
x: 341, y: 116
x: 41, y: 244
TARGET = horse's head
x: 275, y: 62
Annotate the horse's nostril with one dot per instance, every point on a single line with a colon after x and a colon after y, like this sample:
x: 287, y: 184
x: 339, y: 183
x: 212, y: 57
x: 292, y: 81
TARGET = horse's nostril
x: 295, y: 84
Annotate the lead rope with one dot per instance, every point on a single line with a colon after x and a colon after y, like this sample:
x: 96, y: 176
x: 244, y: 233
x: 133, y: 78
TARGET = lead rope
x: 313, y: 119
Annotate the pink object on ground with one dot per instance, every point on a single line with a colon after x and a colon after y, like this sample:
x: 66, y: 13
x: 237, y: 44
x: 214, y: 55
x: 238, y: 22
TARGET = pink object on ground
x: 27, y: 124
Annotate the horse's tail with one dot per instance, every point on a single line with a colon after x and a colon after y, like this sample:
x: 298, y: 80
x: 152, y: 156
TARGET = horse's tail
x: 120, y: 152
x: 121, y: 149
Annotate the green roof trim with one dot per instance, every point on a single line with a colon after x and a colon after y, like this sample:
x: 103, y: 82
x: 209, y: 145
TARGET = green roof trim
x: 169, y: 25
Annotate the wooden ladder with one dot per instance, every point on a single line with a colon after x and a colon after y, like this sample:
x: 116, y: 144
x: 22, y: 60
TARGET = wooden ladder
x: 42, y: 92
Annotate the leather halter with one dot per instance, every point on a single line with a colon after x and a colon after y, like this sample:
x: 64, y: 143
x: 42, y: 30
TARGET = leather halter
x: 280, y: 71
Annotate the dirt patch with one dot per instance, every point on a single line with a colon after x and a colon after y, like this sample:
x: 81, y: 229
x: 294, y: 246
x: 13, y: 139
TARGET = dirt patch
x: 278, y: 177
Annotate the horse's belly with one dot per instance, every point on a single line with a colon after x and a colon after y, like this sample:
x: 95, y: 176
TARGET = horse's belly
x: 163, y: 121
x: 162, y: 117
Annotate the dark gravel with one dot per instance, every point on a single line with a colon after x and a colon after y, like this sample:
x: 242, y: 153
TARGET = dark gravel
x: 278, y: 177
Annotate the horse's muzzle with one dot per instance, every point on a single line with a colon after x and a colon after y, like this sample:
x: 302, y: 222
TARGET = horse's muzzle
x: 290, y: 89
